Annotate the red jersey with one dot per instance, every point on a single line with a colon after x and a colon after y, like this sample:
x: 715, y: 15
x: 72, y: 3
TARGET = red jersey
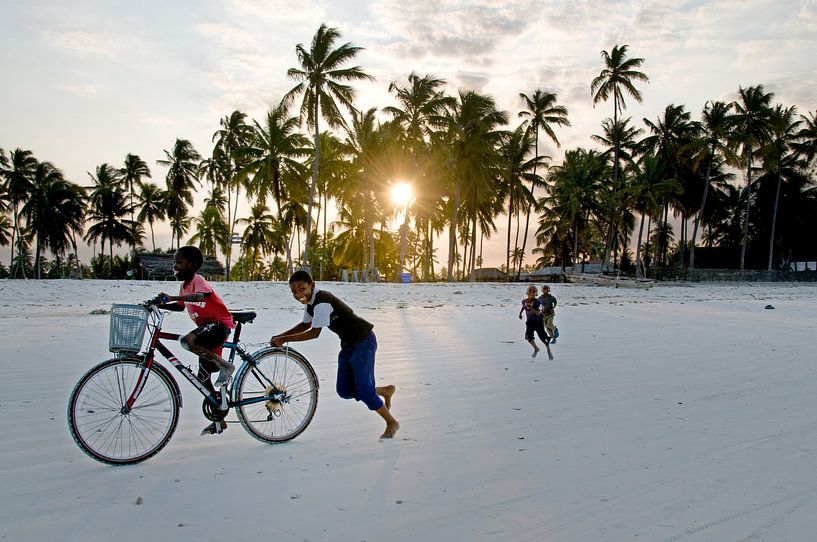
x: 212, y: 309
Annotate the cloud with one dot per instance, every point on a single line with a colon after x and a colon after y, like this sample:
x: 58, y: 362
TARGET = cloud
x: 282, y: 13
x: 452, y: 28
x: 84, y: 44
x: 88, y: 89
x: 155, y: 120
x: 471, y: 81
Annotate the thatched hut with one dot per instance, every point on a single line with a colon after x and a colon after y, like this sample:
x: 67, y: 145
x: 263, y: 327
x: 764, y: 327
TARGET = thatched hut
x: 159, y: 266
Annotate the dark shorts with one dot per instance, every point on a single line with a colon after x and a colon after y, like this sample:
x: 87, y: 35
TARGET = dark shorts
x: 538, y: 327
x: 211, y: 336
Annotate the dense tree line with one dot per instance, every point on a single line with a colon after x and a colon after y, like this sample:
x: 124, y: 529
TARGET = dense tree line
x: 739, y: 181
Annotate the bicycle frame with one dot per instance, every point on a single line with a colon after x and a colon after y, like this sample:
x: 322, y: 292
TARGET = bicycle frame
x: 156, y: 334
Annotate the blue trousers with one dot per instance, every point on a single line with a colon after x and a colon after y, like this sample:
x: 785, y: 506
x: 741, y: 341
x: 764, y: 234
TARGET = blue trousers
x: 356, y: 372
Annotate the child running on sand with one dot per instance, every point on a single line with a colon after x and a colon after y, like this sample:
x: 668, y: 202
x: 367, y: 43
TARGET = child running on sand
x: 549, y: 312
x: 212, y: 317
x: 357, y: 346
x: 534, y: 323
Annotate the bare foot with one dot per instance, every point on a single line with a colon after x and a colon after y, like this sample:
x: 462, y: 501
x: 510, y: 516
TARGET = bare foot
x: 534, y: 353
x: 386, y: 392
x: 391, y: 429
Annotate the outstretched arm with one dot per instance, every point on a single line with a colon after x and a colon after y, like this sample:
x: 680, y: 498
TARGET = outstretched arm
x: 168, y: 306
x: 301, y: 332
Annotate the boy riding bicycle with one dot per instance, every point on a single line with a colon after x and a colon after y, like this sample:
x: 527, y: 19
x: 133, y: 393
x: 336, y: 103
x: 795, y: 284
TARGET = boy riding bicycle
x: 212, y: 317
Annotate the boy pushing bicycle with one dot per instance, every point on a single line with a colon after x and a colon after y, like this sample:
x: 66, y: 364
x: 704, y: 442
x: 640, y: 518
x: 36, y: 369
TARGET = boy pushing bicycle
x: 212, y: 317
x: 357, y: 346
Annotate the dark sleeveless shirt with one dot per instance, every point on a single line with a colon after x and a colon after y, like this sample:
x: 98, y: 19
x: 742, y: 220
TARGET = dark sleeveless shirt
x: 350, y: 327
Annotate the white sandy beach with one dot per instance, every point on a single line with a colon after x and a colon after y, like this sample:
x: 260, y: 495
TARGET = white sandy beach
x: 680, y: 413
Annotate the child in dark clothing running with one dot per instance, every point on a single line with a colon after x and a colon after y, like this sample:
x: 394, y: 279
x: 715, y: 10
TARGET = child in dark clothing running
x: 212, y: 317
x: 534, y: 322
x: 357, y: 346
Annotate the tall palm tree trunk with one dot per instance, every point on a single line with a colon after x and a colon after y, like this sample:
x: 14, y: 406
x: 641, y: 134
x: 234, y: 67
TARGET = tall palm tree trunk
x: 516, y: 245
x: 508, y: 245
x: 639, y: 269
x: 527, y: 216
x: 774, y: 217
x: 452, y: 234
x: 575, y: 242
x: 473, y: 249
x: 323, y: 241
x: 701, y: 212
x: 613, y: 210
x: 647, y: 243
x: 306, y: 262
x: 15, y: 235
x: 745, y: 240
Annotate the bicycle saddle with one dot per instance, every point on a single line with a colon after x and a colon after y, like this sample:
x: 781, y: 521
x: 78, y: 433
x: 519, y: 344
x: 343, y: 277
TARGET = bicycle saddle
x: 243, y: 317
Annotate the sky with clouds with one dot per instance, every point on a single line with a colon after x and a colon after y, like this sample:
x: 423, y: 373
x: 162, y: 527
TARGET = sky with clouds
x: 87, y: 82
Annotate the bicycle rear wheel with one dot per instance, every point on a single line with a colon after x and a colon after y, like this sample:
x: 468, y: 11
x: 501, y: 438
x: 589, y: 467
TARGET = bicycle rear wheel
x: 277, y: 395
x: 105, y: 429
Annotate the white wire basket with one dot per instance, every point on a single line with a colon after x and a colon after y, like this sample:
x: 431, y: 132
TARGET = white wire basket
x: 128, y: 324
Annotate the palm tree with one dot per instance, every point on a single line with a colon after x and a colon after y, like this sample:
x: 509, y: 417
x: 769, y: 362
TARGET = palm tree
x: 670, y: 136
x: 713, y: 141
x: 271, y: 161
x: 422, y: 109
x: 374, y: 151
x: 776, y: 154
x: 472, y: 132
x: 617, y: 77
x: 182, y: 176
x: 421, y: 115
x: 19, y: 179
x: 806, y: 143
x: 625, y: 135
x: 543, y: 113
x: 5, y: 223
x: 649, y: 187
x: 134, y: 169
x: 228, y: 160
x: 107, y: 208
x: 516, y: 169
x: 294, y: 218
x: 54, y: 209
x: 574, y: 204
x: 261, y: 234
x: 350, y: 250
x: 211, y: 230
x: 751, y: 128
x: 320, y: 79
x: 333, y: 174
x: 152, y: 204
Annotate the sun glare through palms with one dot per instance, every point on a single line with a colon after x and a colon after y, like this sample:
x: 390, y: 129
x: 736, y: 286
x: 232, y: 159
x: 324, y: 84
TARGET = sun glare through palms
x: 401, y: 194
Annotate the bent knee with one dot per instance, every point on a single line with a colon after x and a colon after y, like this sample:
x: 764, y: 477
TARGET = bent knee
x: 188, y: 341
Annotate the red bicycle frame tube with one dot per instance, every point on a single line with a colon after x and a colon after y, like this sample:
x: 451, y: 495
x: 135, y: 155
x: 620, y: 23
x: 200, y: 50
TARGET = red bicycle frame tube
x: 154, y: 343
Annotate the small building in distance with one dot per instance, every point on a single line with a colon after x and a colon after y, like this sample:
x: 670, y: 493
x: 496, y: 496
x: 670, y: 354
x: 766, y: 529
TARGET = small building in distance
x: 159, y: 266
x: 545, y: 274
x: 487, y: 274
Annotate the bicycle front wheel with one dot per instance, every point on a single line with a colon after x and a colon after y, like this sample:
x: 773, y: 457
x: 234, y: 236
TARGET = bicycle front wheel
x: 277, y: 395
x: 106, y: 429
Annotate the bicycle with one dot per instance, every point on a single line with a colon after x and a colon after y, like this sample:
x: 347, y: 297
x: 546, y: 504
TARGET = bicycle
x: 125, y: 409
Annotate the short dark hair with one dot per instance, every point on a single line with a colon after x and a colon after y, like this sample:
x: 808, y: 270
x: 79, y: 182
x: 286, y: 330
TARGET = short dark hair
x: 301, y: 276
x: 191, y: 254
